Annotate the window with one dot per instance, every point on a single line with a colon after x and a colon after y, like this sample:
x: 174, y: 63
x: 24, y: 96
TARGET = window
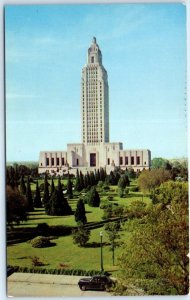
x: 47, y: 161
x: 126, y: 160
x: 108, y: 161
x: 63, y: 161
x: 121, y: 160
x: 92, y: 59
x: 52, y: 161
x: 77, y: 162
x: 132, y: 160
x: 138, y: 160
x: 57, y: 160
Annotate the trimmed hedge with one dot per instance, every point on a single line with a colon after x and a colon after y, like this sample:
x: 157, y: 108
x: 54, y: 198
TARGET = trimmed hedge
x: 76, y: 272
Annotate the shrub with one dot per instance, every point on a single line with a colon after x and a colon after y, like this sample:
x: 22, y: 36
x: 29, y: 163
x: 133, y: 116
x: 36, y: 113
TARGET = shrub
x: 36, y: 262
x: 58, y: 271
x: 40, y: 242
x: 81, y: 236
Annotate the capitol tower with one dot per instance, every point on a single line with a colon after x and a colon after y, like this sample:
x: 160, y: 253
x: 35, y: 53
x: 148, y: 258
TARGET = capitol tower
x: 95, y: 151
x: 94, y: 98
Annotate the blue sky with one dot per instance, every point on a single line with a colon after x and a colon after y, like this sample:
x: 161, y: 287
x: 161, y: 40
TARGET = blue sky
x: 144, y: 53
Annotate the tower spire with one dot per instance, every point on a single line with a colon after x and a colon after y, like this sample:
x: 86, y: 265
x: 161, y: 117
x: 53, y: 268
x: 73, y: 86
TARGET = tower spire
x: 94, y: 40
x: 95, y: 98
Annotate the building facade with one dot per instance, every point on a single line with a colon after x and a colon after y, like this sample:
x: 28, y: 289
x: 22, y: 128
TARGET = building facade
x: 95, y: 151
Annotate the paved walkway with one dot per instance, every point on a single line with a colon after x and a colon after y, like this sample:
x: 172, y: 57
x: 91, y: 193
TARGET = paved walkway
x: 29, y: 284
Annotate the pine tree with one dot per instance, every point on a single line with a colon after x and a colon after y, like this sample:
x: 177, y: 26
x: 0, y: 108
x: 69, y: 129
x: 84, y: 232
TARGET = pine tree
x: 92, y: 179
x: 69, y: 187
x: 58, y: 204
x: 29, y: 195
x: 93, y: 197
x: 37, y: 198
x: 22, y: 186
x: 80, y: 215
x: 102, y: 174
x: 88, y: 179
x: 81, y: 181
x: 98, y: 175
x: 52, y: 187
x: 46, y: 197
x: 85, y: 181
x: 77, y: 182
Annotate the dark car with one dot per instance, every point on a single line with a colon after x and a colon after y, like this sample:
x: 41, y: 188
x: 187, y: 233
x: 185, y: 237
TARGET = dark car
x: 97, y: 282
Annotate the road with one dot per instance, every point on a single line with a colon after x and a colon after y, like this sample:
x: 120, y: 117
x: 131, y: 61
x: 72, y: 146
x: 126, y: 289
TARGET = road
x: 31, y: 285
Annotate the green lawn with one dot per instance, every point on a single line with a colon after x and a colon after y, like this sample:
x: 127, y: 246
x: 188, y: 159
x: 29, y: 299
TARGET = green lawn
x: 65, y: 251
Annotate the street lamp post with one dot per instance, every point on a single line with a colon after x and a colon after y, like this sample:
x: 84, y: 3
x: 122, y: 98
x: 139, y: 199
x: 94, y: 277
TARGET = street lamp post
x: 101, y: 235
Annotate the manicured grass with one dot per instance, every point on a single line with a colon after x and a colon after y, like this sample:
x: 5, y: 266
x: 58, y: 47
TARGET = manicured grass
x: 65, y: 252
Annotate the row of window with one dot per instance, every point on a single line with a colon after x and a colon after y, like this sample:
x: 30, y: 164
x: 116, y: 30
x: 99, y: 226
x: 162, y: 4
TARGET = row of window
x: 93, y: 141
x: 53, y: 160
x: 125, y: 160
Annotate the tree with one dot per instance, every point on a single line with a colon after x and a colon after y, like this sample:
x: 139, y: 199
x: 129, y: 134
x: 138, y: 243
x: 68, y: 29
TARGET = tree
x: 102, y: 174
x: 130, y: 173
x: 154, y: 257
x: 93, y: 198
x: 158, y: 162
x: 77, y: 182
x: 46, y: 197
x: 150, y: 179
x: 112, y: 229
x: 22, y: 186
x: 80, y: 214
x: 123, y: 182
x: 69, y: 187
x: 81, y: 181
x: 52, y: 187
x: 58, y: 205
x: 29, y: 195
x: 81, y: 236
x: 37, y: 198
x: 97, y: 176
x: 16, y: 206
x: 92, y: 179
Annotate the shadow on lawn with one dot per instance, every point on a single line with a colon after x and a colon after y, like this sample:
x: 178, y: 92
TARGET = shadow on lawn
x: 46, y: 218
x: 95, y: 245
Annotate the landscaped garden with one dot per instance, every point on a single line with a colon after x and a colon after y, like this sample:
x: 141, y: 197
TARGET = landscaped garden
x: 66, y: 254
x: 139, y: 221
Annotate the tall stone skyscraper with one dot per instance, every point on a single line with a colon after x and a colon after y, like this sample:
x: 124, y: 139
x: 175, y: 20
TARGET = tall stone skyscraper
x: 95, y: 151
x: 94, y: 98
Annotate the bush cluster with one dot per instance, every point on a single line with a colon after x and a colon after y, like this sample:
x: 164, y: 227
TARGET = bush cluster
x: 76, y: 272
x: 40, y: 242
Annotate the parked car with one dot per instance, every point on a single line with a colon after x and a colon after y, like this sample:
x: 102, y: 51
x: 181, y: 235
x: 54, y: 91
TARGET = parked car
x: 97, y: 282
